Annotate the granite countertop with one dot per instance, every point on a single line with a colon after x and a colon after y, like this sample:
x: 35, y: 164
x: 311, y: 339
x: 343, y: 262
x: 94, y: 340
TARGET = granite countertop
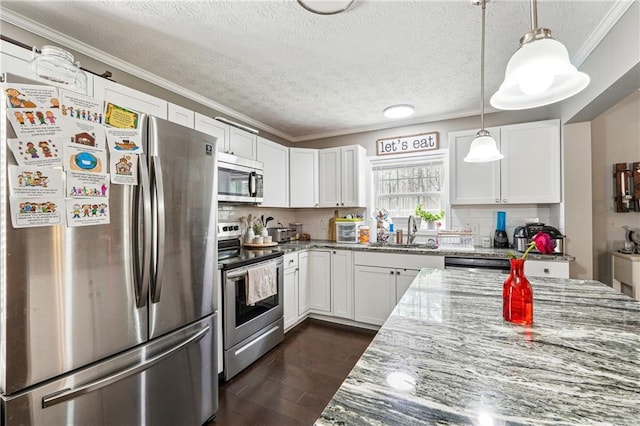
x: 418, y: 249
x: 445, y: 356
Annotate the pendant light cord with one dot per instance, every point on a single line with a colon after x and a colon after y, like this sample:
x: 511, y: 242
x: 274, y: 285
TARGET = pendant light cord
x: 534, y: 15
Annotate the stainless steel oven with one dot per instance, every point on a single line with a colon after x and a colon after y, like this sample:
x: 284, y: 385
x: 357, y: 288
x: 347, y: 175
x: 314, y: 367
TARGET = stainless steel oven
x: 240, y: 180
x: 250, y: 328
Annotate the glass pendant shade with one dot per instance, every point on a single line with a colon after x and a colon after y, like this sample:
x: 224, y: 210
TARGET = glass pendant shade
x: 538, y: 74
x: 483, y: 149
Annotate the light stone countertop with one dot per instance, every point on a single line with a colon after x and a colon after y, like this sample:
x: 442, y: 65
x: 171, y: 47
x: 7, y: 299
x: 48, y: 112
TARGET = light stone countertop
x: 418, y: 249
x: 445, y: 356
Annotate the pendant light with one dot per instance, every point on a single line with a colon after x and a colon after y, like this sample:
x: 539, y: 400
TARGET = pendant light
x: 539, y: 73
x: 483, y: 148
x: 326, y: 7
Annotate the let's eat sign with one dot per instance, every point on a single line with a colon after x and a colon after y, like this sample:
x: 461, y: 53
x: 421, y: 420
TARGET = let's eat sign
x: 405, y: 144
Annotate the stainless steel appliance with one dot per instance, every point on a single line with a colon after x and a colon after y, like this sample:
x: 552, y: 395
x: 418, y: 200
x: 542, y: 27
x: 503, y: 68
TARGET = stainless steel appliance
x: 240, y: 180
x: 522, y: 237
x: 250, y: 330
x: 114, y: 324
x: 282, y: 235
x: 475, y: 264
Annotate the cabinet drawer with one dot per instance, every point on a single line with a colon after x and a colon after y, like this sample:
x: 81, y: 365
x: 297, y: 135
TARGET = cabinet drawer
x: 623, y: 271
x: 535, y: 268
x: 291, y: 260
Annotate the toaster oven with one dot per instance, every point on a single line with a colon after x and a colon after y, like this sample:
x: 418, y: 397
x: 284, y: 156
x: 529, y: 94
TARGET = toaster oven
x: 281, y: 235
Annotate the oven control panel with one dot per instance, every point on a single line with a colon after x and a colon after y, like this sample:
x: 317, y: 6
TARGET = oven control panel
x: 229, y: 230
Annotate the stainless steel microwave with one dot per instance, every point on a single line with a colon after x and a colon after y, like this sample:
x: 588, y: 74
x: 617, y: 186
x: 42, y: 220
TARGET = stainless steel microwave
x: 240, y: 180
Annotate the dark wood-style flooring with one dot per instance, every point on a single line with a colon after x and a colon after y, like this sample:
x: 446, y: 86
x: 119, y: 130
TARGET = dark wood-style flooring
x: 293, y: 383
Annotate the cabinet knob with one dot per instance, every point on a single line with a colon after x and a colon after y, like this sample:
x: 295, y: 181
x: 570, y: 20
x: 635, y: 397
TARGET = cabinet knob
x: 391, y: 272
x: 497, y: 200
x: 546, y: 270
x: 397, y: 272
x: 504, y: 200
x: 342, y: 204
x: 334, y: 252
x: 338, y: 204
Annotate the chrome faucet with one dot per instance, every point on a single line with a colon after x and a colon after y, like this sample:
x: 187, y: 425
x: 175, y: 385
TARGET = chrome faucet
x: 412, y: 229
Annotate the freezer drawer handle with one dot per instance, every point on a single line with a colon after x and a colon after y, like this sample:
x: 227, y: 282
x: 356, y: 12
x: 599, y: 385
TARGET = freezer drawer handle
x: 68, y: 393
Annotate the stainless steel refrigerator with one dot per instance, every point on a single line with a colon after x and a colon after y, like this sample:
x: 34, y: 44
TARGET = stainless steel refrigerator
x: 115, y: 324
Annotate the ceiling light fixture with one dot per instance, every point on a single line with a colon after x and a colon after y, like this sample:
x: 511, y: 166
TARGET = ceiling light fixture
x: 483, y: 148
x: 398, y: 111
x: 326, y: 7
x: 539, y: 73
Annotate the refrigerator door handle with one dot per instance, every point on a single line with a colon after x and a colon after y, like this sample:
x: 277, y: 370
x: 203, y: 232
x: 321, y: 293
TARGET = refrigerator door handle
x: 68, y: 393
x: 159, y: 191
x: 143, y: 274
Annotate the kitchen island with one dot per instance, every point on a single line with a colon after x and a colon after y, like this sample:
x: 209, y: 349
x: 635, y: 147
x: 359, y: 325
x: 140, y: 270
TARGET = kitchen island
x: 445, y: 356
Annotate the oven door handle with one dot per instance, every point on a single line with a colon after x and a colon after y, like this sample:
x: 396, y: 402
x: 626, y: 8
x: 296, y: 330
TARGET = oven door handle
x: 235, y: 275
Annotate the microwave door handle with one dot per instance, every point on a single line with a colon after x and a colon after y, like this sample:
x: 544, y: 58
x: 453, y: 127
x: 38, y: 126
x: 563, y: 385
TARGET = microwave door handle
x: 252, y: 184
x: 142, y: 268
x: 156, y: 289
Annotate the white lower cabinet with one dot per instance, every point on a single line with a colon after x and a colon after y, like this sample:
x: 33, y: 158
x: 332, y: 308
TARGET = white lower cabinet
x: 342, y: 283
x: 290, y: 297
x: 304, y: 282
x: 320, y: 281
x: 380, y: 280
x: 375, y: 294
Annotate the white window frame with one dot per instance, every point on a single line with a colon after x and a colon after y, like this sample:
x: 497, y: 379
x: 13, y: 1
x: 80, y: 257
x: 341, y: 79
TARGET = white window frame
x: 401, y: 222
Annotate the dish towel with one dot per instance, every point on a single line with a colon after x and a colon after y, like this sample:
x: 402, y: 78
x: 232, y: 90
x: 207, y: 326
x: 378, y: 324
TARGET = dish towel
x: 261, y: 283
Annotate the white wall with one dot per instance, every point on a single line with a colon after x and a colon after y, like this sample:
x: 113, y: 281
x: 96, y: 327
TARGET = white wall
x: 577, y: 199
x: 615, y: 137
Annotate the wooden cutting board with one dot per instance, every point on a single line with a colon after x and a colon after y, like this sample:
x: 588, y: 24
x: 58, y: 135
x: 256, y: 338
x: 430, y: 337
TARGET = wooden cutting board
x: 332, y: 226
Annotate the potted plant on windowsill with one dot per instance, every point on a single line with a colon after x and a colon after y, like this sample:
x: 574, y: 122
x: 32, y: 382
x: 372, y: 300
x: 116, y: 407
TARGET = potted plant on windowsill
x: 429, y: 220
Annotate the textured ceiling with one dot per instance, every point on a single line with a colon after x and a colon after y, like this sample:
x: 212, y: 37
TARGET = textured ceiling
x: 303, y: 76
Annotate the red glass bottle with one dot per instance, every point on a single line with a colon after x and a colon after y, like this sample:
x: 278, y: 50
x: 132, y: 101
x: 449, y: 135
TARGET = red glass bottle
x: 517, y: 296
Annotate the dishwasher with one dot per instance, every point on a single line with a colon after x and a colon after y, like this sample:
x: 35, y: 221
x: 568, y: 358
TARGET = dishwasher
x: 475, y: 264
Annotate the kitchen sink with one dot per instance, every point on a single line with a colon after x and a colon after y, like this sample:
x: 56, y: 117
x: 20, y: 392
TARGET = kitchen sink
x: 384, y: 244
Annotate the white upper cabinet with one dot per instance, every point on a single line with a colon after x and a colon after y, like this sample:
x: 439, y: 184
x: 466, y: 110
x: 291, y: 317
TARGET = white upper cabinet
x: 343, y: 176
x: 532, y: 174
x: 181, y: 115
x: 126, y: 97
x: 303, y: 177
x: 242, y: 143
x: 213, y: 127
x: 17, y: 61
x: 275, y: 159
x: 529, y: 173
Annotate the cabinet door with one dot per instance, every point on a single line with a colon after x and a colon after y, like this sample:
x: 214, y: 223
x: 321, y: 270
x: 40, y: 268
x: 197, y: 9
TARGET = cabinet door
x: 320, y: 280
x: 126, y: 97
x: 404, y: 278
x: 531, y: 165
x: 330, y: 177
x: 180, y: 115
x: 342, y: 283
x: 375, y: 294
x: 275, y: 158
x: 242, y: 143
x: 304, y: 282
x: 215, y: 128
x: 303, y: 177
x: 353, y: 174
x: 472, y: 183
x: 290, y: 301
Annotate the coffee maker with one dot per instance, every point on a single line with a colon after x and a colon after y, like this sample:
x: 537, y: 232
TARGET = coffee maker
x: 501, y: 239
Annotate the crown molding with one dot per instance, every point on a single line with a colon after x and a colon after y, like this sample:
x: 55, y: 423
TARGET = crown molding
x: 84, y: 49
x: 614, y: 14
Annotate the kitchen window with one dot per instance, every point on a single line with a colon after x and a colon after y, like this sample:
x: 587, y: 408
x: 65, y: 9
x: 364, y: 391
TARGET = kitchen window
x: 400, y: 184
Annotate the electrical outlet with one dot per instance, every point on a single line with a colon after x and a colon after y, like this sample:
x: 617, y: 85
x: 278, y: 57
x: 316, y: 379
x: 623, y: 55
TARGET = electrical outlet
x: 323, y: 224
x: 474, y: 227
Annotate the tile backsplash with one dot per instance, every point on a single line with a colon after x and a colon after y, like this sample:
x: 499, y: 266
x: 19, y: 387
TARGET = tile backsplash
x: 315, y: 221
